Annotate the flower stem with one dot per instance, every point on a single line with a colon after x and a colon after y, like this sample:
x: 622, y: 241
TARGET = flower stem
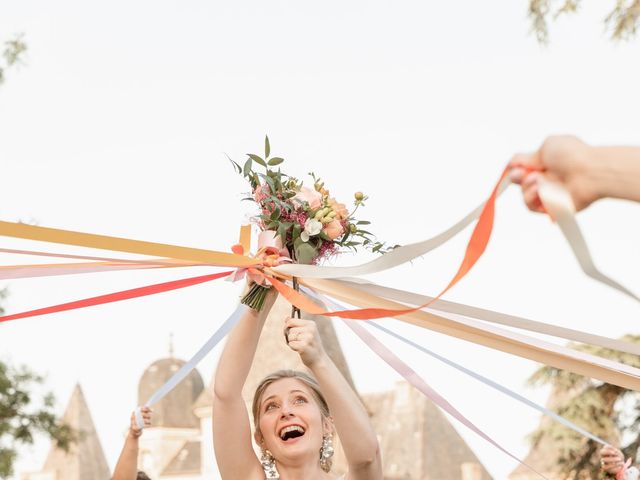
x: 255, y: 297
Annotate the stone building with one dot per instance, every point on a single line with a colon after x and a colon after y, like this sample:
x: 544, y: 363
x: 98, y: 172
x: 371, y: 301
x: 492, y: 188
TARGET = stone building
x: 85, y: 458
x: 417, y: 441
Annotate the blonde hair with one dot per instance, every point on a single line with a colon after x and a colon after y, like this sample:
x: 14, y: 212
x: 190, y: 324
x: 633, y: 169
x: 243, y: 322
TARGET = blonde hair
x: 305, y: 378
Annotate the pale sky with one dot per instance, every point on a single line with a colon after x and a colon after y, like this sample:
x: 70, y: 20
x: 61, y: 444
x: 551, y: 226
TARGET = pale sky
x: 120, y: 118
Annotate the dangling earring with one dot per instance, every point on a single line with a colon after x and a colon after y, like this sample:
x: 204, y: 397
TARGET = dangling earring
x: 269, y: 465
x: 326, y: 452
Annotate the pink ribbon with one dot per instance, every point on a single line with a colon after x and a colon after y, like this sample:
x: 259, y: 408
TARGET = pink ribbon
x: 271, y: 253
x: 414, y: 379
x: 622, y: 473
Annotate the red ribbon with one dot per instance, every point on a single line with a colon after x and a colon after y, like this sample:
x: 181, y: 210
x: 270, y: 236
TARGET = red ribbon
x: 118, y: 296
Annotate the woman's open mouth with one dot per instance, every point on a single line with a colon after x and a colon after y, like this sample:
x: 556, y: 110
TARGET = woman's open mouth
x: 291, y: 432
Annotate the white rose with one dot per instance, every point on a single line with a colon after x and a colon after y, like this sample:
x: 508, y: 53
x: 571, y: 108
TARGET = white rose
x: 311, y: 227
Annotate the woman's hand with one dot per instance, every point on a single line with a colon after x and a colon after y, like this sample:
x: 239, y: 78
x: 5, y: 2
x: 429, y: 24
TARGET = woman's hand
x: 563, y: 159
x: 134, y: 430
x: 303, y: 338
x: 611, y: 460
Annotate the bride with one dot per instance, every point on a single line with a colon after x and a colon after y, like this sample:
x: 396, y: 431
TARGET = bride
x: 294, y: 413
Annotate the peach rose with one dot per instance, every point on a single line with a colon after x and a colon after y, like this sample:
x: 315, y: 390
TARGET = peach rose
x: 309, y: 195
x: 333, y: 229
x: 341, y: 210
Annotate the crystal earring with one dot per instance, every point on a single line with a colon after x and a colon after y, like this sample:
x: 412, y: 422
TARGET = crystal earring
x: 326, y: 452
x: 269, y: 465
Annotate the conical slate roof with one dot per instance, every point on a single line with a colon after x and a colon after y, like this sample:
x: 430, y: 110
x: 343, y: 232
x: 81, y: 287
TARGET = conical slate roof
x: 416, y: 439
x: 85, y: 458
x: 173, y: 411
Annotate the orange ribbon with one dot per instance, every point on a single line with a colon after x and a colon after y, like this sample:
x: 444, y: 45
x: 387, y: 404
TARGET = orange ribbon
x: 475, y: 248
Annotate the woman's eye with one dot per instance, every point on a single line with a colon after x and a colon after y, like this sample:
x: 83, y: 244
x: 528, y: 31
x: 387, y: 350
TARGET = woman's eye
x: 270, y: 406
x: 300, y: 400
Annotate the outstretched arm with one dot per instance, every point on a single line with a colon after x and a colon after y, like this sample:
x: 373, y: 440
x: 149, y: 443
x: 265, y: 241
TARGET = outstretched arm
x: 612, y: 462
x: 231, y: 427
x: 349, y: 415
x: 589, y: 173
x: 127, y: 466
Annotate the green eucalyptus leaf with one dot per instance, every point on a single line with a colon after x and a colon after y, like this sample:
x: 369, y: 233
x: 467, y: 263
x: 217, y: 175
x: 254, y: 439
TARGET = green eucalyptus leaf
x: 364, y: 232
x: 236, y: 167
x: 267, y: 147
x: 275, y: 161
x: 305, y: 253
x: 276, y: 214
x: 257, y: 159
x: 247, y: 167
x: 297, y: 230
x: 269, y: 181
x: 363, y: 222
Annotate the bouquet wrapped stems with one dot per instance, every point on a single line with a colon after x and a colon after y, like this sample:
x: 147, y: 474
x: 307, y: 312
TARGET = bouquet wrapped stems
x: 255, y: 296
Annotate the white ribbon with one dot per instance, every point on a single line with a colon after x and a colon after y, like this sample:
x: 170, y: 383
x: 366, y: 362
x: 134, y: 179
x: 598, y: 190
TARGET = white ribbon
x: 471, y: 373
x: 558, y: 203
x: 391, y: 259
x: 556, y: 200
x: 491, y: 316
x: 219, y: 334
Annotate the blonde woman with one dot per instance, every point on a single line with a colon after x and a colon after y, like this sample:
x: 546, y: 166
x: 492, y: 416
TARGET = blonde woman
x: 295, y: 414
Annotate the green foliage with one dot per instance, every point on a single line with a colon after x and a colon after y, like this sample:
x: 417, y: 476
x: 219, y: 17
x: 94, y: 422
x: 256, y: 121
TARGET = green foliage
x: 277, y: 206
x: 12, y: 53
x: 622, y: 21
x: 20, y: 421
x: 592, y: 405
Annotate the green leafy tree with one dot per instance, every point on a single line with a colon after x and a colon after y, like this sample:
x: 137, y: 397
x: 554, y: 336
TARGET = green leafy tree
x: 24, y: 415
x: 622, y: 21
x: 13, y: 52
x: 608, y: 411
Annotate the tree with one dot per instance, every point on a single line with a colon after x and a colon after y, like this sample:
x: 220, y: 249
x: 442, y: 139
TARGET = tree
x: 622, y: 21
x: 12, y: 54
x: 608, y: 411
x: 22, y: 416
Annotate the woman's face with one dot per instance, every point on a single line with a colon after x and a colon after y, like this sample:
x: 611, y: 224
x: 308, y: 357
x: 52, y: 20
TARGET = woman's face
x: 291, y: 423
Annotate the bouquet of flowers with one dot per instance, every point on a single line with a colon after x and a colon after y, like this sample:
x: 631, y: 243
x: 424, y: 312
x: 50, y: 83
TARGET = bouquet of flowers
x: 299, y: 224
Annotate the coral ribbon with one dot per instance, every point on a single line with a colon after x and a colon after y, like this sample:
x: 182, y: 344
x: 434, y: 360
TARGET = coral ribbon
x: 118, y: 296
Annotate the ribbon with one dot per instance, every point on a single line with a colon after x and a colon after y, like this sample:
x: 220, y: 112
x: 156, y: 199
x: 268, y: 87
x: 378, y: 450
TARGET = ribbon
x: 475, y: 375
x: 177, y: 377
x: 56, y: 269
x: 117, y: 296
x: 492, y: 316
x: 495, y: 385
x: 67, y: 237
x: 414, y: 379
x: 494, y: 337
x: 558, y: 203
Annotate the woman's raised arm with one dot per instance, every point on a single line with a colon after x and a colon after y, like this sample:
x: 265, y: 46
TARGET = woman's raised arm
x: 350, y: 418
x: 231, y: 427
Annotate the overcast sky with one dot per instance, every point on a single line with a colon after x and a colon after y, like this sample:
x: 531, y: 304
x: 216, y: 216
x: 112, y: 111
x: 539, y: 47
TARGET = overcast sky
x: 120, y: 118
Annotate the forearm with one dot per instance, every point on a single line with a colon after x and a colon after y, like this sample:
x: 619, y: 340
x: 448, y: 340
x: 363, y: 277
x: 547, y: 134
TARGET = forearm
x: 237, y: 356
x: 616, y: 172
x: 350, y: 417
x: 127, y: 466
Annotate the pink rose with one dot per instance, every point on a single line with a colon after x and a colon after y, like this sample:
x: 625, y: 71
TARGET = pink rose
x: 333, y: 229
x: 309, y: 195
x: 341, y: 210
